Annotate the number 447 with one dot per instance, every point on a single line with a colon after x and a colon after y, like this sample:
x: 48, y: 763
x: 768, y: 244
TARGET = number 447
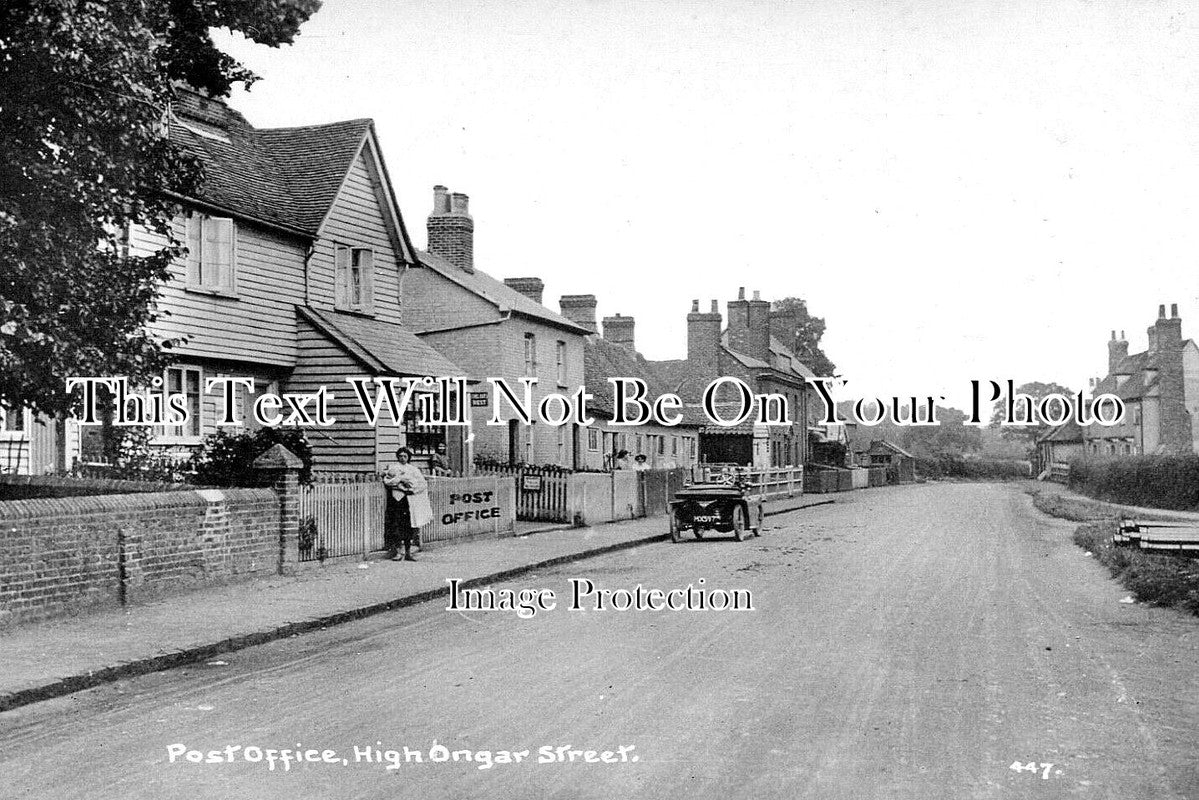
x: 1033, y: 767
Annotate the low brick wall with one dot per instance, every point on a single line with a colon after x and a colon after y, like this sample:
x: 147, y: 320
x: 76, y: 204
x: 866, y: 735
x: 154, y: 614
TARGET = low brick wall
x: 62, y: 555
x: 28, y: 487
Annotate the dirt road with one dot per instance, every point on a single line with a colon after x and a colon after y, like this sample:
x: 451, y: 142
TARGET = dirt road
x: 907, y: 642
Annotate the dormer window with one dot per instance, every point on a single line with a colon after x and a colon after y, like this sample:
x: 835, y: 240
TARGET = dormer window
x: 211, y: 253
x: 355, y: 279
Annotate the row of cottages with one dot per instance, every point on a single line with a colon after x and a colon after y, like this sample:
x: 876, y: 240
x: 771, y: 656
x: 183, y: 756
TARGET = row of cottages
x: 614, y: 355
x: 296, y: 251
x: 1160, y: 390
x: 751, y: 349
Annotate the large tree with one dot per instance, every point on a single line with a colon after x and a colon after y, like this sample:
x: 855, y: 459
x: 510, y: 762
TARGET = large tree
x: 84, y: 90
x: 803, y: 334
x: 1026, y: 434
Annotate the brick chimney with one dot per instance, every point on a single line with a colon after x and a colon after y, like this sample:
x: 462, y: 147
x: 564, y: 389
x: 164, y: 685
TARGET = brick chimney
x: 1117, y: 351
x: 529, y: 287
x: 451, y: 229
x: 759, y: 328
x: 783, y: 325
x: 579, y: 309
x: 749, y: 326
x: 1175, y: 422
x: 703, y: 338
x: 619, y: 330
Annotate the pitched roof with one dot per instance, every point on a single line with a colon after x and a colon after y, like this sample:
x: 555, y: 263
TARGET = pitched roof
x: 883, y: 443
x: 603, y: 359
x: 385, y: 349
x: 287, y: 177
x: 503, y: 297
x: 1066, y: 432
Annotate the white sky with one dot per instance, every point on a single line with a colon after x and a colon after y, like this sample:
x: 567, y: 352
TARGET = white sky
x: 961, y: 189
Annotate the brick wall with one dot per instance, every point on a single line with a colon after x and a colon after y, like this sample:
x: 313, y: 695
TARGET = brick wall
x: 61, y: 555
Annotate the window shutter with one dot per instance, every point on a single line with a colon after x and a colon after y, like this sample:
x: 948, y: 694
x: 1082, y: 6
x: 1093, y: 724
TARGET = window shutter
x: 193, y: 249
x: 341, y: 277
x: 221, y: 252
x: 366, y: 266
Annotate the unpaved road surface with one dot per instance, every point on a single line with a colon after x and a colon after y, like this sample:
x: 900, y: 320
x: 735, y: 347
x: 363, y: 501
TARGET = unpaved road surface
x: 906, y: 642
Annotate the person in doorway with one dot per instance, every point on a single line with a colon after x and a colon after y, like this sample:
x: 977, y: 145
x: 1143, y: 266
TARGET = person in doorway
x: 408, y: 506
x: 438, y: 464
x: 639, y: 463
x: 622, y: 460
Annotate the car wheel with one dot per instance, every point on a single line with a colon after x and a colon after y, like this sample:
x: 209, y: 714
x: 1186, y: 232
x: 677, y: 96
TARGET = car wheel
x: 739, y: 524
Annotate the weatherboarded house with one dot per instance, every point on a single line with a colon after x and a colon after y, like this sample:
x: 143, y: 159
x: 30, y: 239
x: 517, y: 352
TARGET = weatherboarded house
x: 296, y: 254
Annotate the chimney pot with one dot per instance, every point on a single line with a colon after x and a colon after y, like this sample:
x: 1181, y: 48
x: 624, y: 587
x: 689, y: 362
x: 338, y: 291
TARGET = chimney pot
x: 1113, y: 336
x: 459, y: 203
x: 757, y: 294
x: 715, y: 307
x: 441, y: 201
x: 1161, y: 311
x: 694, y: 306
x: 1174, y: 310
x: 741, y: 293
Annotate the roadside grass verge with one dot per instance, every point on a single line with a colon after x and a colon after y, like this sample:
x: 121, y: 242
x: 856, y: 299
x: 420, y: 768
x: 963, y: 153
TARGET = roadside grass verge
x: 1153, y: 578
x: 1156, y: 579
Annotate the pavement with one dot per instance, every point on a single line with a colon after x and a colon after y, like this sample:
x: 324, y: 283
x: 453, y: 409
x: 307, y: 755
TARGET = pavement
x: 55, y: 658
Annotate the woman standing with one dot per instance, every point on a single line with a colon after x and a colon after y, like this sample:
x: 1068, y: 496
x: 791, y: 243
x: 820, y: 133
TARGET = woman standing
x: 407, y: 504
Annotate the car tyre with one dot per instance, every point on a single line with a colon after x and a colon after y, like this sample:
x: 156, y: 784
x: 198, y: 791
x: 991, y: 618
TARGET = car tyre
x: 739, y: 524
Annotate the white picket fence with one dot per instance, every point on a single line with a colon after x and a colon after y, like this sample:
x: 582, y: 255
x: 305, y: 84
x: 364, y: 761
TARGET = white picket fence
x: 341, y: 515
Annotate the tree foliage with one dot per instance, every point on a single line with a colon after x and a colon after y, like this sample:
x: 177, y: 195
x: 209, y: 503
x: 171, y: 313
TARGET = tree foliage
x: 1027, y: 435
x: 84, y: 90
x: 803, y: 338
x: 227, y: 459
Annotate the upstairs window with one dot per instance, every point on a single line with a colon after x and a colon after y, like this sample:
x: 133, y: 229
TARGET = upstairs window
x: 561, y: 363
x: 530, y: 355
x: 354, y: 289
x: 211, y: 253
x: 12, y: 420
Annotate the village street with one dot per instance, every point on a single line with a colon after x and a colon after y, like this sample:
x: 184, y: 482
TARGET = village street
x: 906, y: 642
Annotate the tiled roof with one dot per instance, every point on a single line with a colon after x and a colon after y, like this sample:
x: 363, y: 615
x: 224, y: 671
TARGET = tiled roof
x: 287, y: 177
x: 1066, y: 432
x: 886, y: 445
x: 604, y: 359
x: 503, y: 297
x: 385, y: 348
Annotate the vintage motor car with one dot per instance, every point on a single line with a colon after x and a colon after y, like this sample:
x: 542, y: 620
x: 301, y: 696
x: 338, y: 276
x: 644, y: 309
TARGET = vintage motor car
x: 725, y: 507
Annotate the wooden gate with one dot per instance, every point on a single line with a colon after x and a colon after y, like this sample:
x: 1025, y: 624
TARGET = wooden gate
x: 540, y: 491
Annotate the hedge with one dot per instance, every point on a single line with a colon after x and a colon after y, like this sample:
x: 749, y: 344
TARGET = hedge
x: 1153, y: 481
x: 971, y: 468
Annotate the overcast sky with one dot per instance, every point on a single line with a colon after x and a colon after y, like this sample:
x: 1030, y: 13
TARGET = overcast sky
x: 961, y: 190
